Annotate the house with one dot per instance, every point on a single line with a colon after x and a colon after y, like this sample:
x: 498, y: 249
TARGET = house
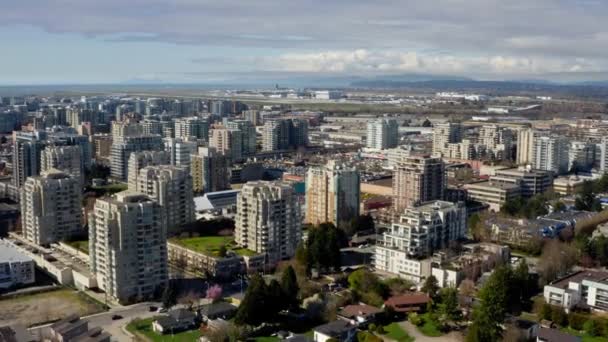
x: 340, y: 330
x: 217, y: 310
x: 176, y: 320
x: 361, y: 314
x: 413, y: 302
x: 554, y: 335
x: 72, y: 328
x: 528, y: 330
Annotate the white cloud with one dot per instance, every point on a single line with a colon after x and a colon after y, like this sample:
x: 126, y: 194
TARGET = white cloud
x: 363, y: 61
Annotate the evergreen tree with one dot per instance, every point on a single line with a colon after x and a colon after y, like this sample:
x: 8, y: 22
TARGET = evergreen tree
x: 252, y: 310
x: 430, y: 287
x: 494, y: 301
x: 290, y: 288
x: 169, y: 297
x: 448, y: 308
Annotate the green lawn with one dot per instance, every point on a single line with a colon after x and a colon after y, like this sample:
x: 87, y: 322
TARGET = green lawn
x: 82, y: 245
x: 395, y: 331
x: 143, y: 327
x: 210, y: 245
x: 430, y: 327
x: 585, y: 337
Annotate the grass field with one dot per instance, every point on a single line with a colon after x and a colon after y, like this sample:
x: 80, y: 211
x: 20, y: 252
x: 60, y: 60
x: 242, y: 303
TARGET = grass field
x: 583, y: 336
x: 82, y: 246
x: 143, y: 328
x: 430, y: 327
x: 48, y: 306
x: 210, y: 245
x: 396, y: 332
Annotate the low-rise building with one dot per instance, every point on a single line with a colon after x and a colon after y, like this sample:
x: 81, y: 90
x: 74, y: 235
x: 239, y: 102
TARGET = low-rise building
x: 341, y: 331
x: 495, y: 195
x: 182, y: 257
x: 588, y: 288
x: 532, y: 182
x: 72, y: 328
x: 177, y: 320
x: 569, y: 185
x: 16, y: 268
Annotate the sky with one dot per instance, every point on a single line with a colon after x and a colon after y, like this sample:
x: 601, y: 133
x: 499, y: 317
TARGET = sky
x: 191, y: 41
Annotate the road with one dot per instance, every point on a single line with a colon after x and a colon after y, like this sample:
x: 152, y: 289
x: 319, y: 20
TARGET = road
x: 114, y: 327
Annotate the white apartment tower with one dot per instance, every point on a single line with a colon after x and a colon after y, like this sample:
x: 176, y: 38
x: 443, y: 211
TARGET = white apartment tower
x: 418, y: 233
x: 382, y: 134
x: 171, y: 187
x: 63, y: 158
x: 268, y: 219
x: 128, y: 246
x: 210, y: 170
x: 550, y: 153
x: 332, y: 194
x: 445, y: 134
x: 192, y: 128
x: 51, y: 207
x: 139, y: 160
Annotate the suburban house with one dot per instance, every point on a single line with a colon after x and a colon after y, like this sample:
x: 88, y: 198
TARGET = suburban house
x: 339, y: 330
x: 413, y: 302
x: 177, y: 320
x: 361, y: 314
x: 217, y: 310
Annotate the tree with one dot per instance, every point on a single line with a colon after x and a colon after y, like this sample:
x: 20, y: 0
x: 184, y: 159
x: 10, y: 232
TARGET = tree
x: 490, y: 313
x: 559, y: 317
x: 290, y: 288
x: 556, y: 260
x: 430, y: 286
x: 427, y: 123
x: 169, y: 297
x: 559, y: 206
x: 592, y: 328
x: 361, y: 223
x: 249, y: 312
x: 448, y: 308
x: 214, y: 293
x: 222, y: 251
x: 323, y: 247
x: 522, y: 283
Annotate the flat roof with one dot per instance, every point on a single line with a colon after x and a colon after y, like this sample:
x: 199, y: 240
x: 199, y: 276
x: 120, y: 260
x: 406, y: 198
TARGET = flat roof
x: 578, y: 277
x: 8, y: 252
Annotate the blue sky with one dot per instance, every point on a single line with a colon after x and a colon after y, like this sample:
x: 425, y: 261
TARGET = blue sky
x: 91, y: 41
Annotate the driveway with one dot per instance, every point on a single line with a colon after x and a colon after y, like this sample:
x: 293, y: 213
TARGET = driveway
x: 419, y: 337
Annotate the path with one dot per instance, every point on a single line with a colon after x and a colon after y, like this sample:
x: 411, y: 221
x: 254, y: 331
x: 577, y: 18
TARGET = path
x: 419, y: 337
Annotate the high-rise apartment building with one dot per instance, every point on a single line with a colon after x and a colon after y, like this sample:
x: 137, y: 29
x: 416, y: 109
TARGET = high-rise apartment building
x: 417, y: 180
x: 418, y: 233
x: 581, y: 155
x: 497, y: 142
x: 171, y: 187
x: 63, y: 158
x: 27, y: 147
x: 192, y: 128
x: 180, y: 151
x: 268, y: 219
x: 128, y: 246
x: 126, y: 139
x: 550, y: 153
x: 227, y: 141
x: 445, y: 134
x: 525, y: 145
x: 283, y: 134
x: 248, y: 135
x: 51, y: 207
x: 253, y: 116
x: 210, y: 170
x: 139, y: 160
x: 332, y: 194
x: 382, y: 134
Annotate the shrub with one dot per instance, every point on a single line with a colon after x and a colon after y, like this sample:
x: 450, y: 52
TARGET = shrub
x: 559, y: 317
x: 576, y: 320
x: 380, y: 330
x: 592, y: 328
x: 415, y: 319
x: 372, y: 327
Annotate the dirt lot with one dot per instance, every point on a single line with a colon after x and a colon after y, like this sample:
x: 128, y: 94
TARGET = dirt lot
x: 44, y: 307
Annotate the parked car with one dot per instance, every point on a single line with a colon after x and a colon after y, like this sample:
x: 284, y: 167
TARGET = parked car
x: 116, y: 317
